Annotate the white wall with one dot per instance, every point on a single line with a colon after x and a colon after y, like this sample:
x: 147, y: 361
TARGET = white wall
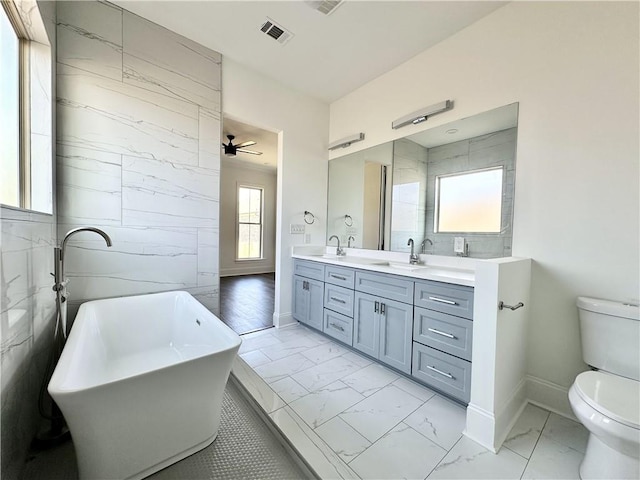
x: 302, y: 126
x: 573, y: 66
x: 232, y: 175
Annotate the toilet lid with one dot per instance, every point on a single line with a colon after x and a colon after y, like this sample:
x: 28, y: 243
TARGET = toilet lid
x: 615, y: 397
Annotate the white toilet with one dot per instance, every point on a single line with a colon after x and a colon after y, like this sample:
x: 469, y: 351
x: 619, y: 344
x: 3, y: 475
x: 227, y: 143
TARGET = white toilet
x: 607, y: 401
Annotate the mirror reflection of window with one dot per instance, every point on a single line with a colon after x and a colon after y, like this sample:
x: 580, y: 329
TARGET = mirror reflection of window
x: 470, y: 202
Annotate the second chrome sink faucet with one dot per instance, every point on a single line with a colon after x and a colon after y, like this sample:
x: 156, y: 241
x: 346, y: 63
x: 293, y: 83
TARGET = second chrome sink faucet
x: 339, y: 250
x: 414, y: 259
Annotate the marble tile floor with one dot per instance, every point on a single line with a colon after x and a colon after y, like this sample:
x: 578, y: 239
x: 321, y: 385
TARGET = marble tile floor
x: 349, y: 417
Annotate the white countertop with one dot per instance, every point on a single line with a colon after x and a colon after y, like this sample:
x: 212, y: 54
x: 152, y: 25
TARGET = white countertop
x: 392, y: 264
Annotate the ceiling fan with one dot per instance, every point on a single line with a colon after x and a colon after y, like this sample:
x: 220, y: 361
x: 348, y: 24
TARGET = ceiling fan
x: 230, y: 149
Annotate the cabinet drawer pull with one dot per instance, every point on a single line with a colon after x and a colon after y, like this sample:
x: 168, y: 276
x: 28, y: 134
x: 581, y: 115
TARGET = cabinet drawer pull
x: 442, y: 300
x: 438, y: 332
x: 339, y: 277
x: 448, y: 375
x: 337, y: 300
x: 338, y: 327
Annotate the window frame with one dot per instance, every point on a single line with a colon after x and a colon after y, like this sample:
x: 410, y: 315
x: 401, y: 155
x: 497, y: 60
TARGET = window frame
x: 250, y: 186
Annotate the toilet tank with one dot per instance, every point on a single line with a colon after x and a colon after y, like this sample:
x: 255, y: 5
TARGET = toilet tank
x: 610, y: 333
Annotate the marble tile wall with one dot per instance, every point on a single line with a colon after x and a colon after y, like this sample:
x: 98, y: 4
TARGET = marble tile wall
x: 490, y: 150
x: 138, y: 155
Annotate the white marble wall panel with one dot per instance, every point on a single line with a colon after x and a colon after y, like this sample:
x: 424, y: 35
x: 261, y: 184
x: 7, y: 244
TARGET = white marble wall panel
x: 90, y: 37
x: 141, y: 260
x: 89, y: 186
x: 108, y: 115
x: 161, y: 61
x: 208, y: 256
x: 209, y: 128
x: 139, y: 139
x: 161, y: 193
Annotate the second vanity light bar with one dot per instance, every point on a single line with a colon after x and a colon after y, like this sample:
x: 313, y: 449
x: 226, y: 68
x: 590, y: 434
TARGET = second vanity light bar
x: 346, y: 141
x: 422, y: 114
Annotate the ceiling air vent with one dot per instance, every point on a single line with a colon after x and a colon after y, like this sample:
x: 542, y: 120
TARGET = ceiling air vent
x: 275, y: 31
x: 326, y: 7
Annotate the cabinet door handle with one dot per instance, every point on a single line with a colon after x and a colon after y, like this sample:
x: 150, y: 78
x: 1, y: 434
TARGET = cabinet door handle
x: 306, y: 285
x: 438, y: 332
x: 339, y: 277
x: 336, y: 327
x: 442, y: 300
x: 376, y: 307
x: 337, y: 300
x: 383, y: 308
x: 448, y: 375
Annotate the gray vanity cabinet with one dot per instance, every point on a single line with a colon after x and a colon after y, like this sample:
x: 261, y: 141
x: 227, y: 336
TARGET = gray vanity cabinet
x: 383, y: 327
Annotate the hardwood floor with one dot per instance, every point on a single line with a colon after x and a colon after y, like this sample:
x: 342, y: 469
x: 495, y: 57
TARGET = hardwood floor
x: 246, y: 301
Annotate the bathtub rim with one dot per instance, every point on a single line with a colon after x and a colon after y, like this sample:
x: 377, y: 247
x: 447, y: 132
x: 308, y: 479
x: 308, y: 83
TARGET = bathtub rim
x: 55, y: 388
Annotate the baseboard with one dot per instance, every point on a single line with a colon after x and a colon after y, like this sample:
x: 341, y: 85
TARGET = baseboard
x: 480, y: 427
x: 281, y: 320
x: 508, y: 415
x: 236, y: 272
x: 550, y: 396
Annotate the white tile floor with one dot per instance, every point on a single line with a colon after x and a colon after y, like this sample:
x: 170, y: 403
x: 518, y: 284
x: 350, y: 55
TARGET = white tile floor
x: 352, y: 418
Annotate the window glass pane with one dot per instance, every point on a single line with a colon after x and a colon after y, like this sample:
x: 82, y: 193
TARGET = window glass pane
x: 9, y: 113
x: 470, y: 202
x: 249, y: 223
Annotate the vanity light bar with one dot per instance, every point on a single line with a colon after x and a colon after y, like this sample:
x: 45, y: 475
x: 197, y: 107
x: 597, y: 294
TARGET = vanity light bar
x: 422, y: 114
x: 346, y: 141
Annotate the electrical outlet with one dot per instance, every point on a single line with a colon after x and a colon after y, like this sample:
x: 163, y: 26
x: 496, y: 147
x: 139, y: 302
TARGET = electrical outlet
x: 296, y: 228
x: 458, y: 244
x: 307, y: 238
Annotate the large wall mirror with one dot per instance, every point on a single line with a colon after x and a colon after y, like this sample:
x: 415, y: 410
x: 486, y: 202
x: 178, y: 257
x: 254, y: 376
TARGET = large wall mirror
x: 448, y: 182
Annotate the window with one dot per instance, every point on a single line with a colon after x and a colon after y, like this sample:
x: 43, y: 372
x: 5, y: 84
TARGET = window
x: 250, y: 223
x: 9, y: 113
x: 469, y: 202
x: 26, y: 123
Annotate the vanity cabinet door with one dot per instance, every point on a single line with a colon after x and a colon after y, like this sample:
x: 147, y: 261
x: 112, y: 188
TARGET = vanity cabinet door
x: 366, y: 322
x: 396, y: 321
x: 308, y: 301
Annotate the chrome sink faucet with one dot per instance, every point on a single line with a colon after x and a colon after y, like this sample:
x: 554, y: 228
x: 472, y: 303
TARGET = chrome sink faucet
x: 424, y: 244
x: 339, y: 250
x: 414, y: 259
x: 351, y: 237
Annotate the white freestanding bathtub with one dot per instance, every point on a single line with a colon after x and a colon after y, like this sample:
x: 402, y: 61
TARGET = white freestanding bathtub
x: 140, y: 382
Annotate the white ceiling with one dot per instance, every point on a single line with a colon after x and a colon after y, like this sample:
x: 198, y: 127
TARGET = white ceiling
x: 329, y: 55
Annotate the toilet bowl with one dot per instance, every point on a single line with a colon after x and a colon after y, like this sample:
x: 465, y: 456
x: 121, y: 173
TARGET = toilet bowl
x: 607, y: 401
x: 609, y: 407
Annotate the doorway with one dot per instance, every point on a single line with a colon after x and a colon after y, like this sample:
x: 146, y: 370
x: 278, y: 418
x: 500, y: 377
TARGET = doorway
x: 248, y: 188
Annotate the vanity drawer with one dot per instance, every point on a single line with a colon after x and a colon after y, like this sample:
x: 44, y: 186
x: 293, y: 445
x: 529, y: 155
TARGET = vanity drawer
x: 445, y: 332
x: 338, y: 299
x: 338, y: 326
x: 344, y: 277
x: 386, y: 286
x: 445, y: 372
x: 446, y: 298
x: 308, y: 269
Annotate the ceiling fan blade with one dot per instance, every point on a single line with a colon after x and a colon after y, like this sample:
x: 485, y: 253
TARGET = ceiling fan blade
x: 245, y: 144
x: 248, y: 151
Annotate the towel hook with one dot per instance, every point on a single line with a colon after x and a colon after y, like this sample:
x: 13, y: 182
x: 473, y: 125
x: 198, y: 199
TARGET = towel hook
x: 309, y: 214
x: 502, y: 306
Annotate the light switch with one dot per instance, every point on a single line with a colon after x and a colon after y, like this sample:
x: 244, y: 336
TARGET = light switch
x: 296, y: 228
x: 458, y: 244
